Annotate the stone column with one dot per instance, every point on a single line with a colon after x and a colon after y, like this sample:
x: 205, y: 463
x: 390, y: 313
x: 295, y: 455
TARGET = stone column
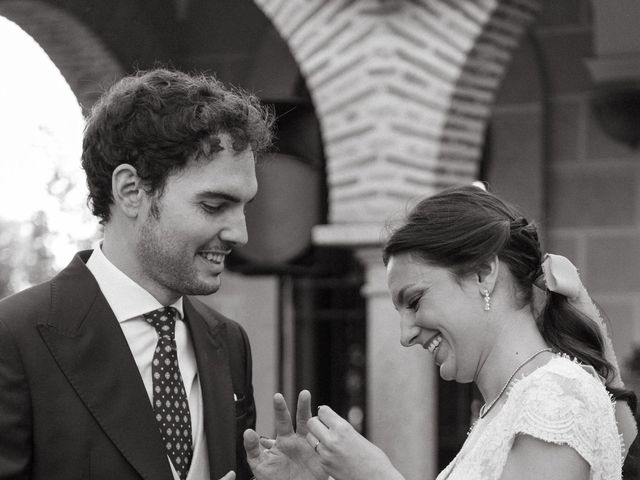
x: 401, y: 382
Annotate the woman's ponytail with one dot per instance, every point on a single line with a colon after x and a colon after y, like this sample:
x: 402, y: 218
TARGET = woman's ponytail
x: 571, y: 332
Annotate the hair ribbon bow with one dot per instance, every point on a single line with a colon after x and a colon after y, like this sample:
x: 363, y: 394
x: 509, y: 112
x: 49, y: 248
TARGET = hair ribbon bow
x: 561, y: 276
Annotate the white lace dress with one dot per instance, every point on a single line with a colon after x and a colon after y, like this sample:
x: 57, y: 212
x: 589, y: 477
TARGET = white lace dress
x: 561, y: 403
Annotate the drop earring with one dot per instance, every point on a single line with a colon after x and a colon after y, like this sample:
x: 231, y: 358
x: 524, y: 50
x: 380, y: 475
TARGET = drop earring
x: 487, y: 300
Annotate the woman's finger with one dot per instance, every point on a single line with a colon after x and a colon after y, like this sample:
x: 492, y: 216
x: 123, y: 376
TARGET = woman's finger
x: 318, y: 429
x: 330, y: 418
x: 231, y: 475
x: 313, y: 441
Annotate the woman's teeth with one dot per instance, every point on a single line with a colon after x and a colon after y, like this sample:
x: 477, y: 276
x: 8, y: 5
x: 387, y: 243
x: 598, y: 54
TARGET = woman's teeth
x: 433, y: 345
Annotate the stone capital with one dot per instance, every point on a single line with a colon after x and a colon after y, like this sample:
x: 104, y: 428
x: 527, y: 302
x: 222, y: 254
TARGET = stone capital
x: 352, y: 235
x: 366, y: 240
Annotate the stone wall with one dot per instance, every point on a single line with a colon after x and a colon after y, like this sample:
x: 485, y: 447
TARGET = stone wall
x: 402, y: 91
x: 593, y: 213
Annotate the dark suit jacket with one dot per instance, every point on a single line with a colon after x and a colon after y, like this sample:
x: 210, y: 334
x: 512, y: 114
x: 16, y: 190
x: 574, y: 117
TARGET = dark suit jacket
x: 72, y: 402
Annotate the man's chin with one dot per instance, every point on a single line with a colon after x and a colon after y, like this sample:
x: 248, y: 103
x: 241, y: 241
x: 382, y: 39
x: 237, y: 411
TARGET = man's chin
x: 208, y: 287
x: 200, y: 288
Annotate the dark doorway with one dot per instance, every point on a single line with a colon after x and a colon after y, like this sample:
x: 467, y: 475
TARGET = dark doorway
x: 330, y: 336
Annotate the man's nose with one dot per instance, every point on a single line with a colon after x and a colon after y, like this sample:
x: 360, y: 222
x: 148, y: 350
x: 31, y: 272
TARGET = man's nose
x: 235, y: 232
x: 409, y: 332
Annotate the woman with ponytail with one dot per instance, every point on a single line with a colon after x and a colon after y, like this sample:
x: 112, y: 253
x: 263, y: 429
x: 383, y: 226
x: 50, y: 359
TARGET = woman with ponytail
x: 473, y: 288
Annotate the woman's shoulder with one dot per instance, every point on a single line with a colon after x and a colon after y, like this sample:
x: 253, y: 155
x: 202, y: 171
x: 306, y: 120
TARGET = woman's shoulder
x: 566, y: 403
x: 563, y: 390
x: 563, y: 377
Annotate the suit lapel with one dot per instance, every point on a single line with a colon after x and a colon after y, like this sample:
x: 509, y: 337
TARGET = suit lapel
x: 88, y: 344
x: 217, y: 391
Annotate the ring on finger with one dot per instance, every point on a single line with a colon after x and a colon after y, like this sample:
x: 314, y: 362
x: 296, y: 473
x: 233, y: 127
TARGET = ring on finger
x: 315, y: 447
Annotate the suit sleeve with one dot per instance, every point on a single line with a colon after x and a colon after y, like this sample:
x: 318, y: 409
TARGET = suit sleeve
x: 241, y: 368
x: 15, y: 411
x: 246, y: 417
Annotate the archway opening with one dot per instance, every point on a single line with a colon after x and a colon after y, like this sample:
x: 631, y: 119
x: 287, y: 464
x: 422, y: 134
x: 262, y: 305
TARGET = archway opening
x: 43, y: 214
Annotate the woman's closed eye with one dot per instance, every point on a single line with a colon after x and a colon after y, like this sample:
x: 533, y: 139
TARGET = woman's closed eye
x: 414, y: 303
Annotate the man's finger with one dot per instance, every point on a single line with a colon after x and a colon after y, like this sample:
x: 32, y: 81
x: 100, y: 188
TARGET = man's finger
x: 251, y: 444
x: 231, y: 475
x: 303, y: 412
x: 267, y: 442
x: 284, y: 425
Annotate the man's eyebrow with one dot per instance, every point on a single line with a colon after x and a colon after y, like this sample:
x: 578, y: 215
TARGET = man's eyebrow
x: 213, y: 195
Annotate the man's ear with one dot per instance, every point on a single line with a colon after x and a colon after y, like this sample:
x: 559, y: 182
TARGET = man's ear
x: 127, y: 190
x: 487, y: 274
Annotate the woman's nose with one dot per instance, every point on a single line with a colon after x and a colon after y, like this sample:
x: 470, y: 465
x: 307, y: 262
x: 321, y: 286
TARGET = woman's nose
x: 409, y: 332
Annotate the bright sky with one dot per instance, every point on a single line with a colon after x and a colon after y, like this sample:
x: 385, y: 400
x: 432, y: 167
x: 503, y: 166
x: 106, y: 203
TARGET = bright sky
x: 40, y: 129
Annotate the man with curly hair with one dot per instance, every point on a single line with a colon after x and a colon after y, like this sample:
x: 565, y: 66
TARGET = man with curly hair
x: 109, y: 370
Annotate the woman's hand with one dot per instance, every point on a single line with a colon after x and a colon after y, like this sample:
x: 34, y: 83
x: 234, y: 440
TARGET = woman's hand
x: 289, y: 456
x: 344, y: 453
x: 231, y: 475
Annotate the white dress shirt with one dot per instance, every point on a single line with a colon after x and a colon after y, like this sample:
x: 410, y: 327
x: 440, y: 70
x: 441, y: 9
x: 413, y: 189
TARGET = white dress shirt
x: 129, y: 301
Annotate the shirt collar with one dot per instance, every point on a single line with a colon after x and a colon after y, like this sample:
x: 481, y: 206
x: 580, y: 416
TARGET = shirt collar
x: 126, y: 298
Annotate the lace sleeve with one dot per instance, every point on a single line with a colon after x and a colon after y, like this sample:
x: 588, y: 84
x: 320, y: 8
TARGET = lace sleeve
x: 568, y: 406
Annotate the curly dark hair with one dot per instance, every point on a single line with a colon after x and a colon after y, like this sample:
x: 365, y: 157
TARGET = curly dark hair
x: 157, y: 121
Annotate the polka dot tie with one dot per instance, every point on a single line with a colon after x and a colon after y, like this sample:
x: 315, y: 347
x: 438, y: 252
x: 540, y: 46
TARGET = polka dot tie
x: 169, y: 396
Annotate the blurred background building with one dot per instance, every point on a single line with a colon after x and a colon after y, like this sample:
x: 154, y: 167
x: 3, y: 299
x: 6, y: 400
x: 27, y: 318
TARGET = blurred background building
x: 379, y: 102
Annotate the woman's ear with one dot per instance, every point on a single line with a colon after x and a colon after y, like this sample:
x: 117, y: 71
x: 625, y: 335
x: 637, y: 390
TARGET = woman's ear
x: 487, y: 275
x: 127, y: 190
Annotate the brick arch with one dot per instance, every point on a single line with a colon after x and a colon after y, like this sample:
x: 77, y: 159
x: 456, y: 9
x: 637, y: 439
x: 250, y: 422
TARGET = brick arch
x: 80, y: 56
x: 403, y: 90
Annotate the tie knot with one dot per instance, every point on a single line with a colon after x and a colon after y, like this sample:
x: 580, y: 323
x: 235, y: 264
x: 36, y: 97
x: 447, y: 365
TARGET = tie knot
x: 164, y: 321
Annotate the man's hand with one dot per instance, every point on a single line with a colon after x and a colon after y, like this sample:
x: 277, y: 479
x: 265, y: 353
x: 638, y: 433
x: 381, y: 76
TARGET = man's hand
x: 289, y: 457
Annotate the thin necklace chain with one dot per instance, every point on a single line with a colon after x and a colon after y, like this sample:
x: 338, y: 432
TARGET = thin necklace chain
x: 486, y: 409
